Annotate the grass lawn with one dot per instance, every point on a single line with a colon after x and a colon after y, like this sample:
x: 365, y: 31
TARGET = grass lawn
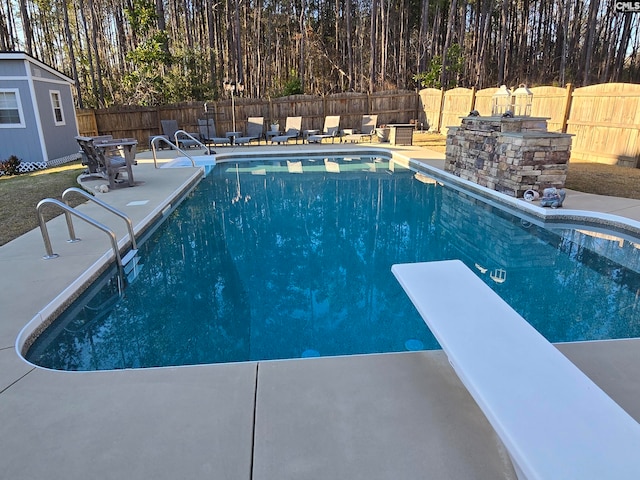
x: 20, y: 194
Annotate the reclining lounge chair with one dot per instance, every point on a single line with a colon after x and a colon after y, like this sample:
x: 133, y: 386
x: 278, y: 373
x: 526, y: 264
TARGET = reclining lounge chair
x: 292, y: 130
x: 368, y: 128
x: 169, y: 129
x: 330, y: 130
x: 207, y: 130
x: 255, y: 131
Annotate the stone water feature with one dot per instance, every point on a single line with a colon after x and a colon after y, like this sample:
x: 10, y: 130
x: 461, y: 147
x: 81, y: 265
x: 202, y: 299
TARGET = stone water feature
x: 508, y: 154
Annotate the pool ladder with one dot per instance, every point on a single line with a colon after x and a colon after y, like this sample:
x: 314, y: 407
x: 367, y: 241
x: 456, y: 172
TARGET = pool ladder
x: 128, y: 265
x: 175, y: 146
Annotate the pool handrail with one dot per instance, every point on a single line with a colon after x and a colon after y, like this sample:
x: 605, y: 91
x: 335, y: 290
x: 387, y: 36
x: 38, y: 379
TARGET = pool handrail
x: 104, y: 205
x: 158, y: 138
x: 45, y: 233
x: 188, y: 135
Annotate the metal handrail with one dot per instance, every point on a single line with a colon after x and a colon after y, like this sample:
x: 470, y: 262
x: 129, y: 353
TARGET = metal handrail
x: 80, y: 215
x: 113, y: 210
x: 175, y: 147
x: 188, y: 135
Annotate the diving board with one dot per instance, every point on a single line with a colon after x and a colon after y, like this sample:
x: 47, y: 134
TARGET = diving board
x: 553, y: 420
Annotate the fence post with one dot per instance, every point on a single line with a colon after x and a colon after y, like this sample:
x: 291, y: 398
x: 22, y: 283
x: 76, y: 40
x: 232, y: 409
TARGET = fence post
x: 567, y: 107
x: 324, y: 105
x: 441, y: 109
x: 158, y: 124
x: 473, y: 99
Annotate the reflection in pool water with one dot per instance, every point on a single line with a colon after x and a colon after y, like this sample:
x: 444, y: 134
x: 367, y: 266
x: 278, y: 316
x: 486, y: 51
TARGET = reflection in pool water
x: 289, y: 259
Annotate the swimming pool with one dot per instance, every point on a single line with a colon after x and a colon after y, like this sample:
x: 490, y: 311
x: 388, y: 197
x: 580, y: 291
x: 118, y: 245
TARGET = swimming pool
x: 287, y: 258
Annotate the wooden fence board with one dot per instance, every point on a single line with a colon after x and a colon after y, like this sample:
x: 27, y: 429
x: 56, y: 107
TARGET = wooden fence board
x: 457, y: 103
x: 87, y: 126
x: 484, y: 101
x: 430, y: 106
x: 549, y: 102
x: 604, y: 119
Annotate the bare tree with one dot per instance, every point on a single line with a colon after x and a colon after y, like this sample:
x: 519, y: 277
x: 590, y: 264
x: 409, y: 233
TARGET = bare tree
x: 330, y: 45
x: 591, y: 34
x: 26, y: 26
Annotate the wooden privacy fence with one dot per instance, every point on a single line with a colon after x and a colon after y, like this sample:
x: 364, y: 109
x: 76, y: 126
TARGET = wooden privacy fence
x: 604, y: 119
x: 143, y: 122
x: 87, y: 125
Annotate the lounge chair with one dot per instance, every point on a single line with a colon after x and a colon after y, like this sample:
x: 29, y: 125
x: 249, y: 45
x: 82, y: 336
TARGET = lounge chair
x: 292, y: 130
x: 330, y: 130
x: 169, y: 129
x: 368, y: 128
x: 255, y: 131
x: 104, y: 163
x: 207, y: 130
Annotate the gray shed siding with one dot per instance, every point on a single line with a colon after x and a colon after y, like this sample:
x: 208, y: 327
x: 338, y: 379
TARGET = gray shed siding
x: 41, y: 140
x: 24, y: 143
x: 13, y: 68
x: 59, y: 139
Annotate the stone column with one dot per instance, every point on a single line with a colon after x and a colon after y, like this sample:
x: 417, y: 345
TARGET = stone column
x: 509, y: 155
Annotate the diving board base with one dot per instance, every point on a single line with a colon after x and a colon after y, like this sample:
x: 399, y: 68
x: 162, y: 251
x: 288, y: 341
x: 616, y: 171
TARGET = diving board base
x: 553, y: 420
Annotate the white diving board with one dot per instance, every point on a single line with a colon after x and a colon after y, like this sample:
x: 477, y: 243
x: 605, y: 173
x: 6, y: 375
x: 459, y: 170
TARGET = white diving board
x: 553, y: 420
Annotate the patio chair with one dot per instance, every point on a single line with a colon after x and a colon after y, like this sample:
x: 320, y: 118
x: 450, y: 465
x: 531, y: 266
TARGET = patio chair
x: 104, y: 163
x: 207, y: 130
x: 368, y: 128
x: 330, y: 130
x: 292, y: 130
x: 169, y: 129
x: 255, y: 131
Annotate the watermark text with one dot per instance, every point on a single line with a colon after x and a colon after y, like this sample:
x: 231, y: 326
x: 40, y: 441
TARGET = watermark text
x: 627, y: 7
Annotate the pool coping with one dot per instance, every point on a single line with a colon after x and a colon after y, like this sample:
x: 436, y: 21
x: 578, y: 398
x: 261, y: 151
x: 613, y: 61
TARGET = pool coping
x: 136, y: 438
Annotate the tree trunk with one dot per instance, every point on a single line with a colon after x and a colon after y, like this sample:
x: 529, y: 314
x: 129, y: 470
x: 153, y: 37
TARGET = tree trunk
x: 162, y: 25
x: 349, y: 28
x: 591, y: 31
x: 26, y: 26
x: 303, y: 37
x: 213, y: 77
x: 422, y: 36
x: 447, y: 43
x: 72, y: 57
x: 372, y: 44
x: 622, y: 49
x: 503, y: 43
x: 485, y: 22
x: 96, y: 52
x: 238, y: 44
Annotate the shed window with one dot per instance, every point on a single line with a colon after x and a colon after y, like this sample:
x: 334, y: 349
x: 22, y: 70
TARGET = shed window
x: 56, y: 105
x: 10, y: 109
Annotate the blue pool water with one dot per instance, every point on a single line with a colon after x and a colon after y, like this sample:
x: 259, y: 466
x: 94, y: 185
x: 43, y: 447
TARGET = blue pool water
x: 263, y: 262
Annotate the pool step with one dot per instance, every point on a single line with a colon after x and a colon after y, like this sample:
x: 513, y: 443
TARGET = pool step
x: 131, y: 265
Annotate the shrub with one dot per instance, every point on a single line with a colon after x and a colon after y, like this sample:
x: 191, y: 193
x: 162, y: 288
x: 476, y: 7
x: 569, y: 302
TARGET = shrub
x: 10, y: 166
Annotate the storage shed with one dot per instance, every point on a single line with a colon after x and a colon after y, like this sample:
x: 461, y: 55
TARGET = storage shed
x: 37, y: 115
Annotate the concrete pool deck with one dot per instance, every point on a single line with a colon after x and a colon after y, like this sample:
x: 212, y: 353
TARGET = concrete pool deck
x: 375, y: 417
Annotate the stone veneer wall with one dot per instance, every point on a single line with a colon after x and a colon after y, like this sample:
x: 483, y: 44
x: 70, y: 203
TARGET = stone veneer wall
x: 509, y: 155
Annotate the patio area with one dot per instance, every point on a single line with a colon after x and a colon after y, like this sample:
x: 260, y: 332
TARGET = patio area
x: 404, y: 415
